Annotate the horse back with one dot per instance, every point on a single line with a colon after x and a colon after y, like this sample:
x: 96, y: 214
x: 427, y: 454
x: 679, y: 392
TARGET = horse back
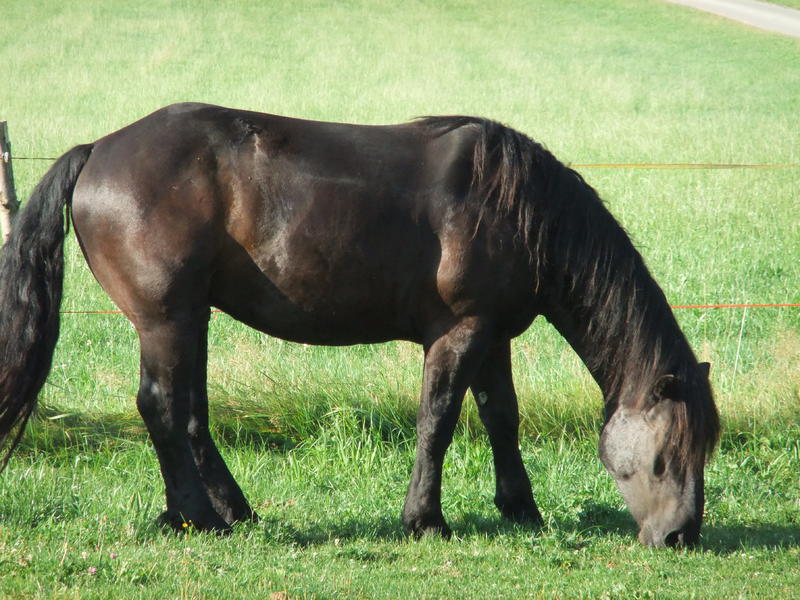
x: 317, y: 232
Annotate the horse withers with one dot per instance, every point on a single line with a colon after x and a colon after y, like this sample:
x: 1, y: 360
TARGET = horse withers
x: 452, y: 232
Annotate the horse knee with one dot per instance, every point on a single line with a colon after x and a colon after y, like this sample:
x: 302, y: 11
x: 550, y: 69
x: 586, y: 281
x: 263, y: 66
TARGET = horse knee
x: 147, y: 399
x: 155, y: 408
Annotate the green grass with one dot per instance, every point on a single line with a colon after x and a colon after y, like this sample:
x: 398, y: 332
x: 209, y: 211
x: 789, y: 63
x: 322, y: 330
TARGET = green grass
x: 329, y: 527
x: 321, y: 439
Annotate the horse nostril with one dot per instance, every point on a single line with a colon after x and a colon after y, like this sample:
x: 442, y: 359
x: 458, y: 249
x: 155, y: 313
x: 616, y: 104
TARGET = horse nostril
x: 674, y: 539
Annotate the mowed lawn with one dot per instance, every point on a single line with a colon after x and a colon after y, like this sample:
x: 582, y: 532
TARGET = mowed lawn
x: 322, y: 439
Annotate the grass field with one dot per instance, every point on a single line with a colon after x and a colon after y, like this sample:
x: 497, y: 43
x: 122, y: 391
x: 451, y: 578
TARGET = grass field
x: 321, y: 439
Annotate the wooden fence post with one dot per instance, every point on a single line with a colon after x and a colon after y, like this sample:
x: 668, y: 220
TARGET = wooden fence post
x: 8, y: 196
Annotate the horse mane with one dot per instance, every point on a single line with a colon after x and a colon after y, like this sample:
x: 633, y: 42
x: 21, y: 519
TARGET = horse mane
x: 584, y: 261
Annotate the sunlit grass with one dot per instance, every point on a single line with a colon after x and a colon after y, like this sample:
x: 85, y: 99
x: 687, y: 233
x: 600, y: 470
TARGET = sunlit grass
x: 329, y: 526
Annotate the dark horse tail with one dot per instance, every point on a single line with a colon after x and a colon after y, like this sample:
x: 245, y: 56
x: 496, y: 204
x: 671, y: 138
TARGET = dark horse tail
x: 31, y: 281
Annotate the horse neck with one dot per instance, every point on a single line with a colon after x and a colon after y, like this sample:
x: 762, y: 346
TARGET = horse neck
x: 626, y: 347
x: 600, y: 296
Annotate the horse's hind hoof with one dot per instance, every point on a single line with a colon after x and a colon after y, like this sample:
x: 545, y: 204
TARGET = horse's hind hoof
x: 178, y: 524
x: 418, y: 528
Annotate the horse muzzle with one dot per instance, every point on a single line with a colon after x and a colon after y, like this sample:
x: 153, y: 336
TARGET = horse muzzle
x: 686, y: 536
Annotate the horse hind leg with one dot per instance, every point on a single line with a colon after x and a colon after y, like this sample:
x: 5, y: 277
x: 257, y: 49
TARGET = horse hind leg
x: 225, y: 494
x: 169, y: 348
x: 494, y: 393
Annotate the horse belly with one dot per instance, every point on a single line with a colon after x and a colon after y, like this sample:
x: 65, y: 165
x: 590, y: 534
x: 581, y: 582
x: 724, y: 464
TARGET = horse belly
x: 316, y: 296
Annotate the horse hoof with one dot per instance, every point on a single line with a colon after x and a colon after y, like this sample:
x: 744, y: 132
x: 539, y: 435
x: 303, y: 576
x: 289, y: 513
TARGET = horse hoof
x: 523, y: 513
x: 418, y: 528
x: 177, y: 523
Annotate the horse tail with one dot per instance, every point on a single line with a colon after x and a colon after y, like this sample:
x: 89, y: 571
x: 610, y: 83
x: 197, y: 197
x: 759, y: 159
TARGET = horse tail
x: 31, y: 282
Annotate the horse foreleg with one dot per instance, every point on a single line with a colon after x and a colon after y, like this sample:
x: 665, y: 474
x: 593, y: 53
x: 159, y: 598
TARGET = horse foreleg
x: 169, y: 349
x: 493, y: 389
x: 225, y: 494
x: 449, y: 363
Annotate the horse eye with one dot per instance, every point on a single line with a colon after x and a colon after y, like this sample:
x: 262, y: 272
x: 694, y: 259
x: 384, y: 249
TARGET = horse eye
x: 658, y: 466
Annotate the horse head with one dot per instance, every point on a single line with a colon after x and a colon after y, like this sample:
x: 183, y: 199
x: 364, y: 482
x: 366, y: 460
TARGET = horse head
x: 655, y: 446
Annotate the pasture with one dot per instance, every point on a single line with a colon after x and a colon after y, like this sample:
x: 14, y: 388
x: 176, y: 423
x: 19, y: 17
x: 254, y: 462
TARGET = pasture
x: 321, y: 439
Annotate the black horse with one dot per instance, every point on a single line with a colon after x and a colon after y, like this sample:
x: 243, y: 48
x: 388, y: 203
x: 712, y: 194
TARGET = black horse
x: 452, y: 232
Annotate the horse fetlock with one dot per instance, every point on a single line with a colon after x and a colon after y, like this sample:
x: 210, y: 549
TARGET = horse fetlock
x: 519, y: 509
x: 418, y: 525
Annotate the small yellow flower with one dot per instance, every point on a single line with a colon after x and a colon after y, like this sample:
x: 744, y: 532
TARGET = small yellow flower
x: 185, y: 524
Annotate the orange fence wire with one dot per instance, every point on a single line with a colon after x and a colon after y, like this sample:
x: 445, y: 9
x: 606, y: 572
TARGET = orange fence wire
x: 684, y: 166
x: 580, y: 166
x: 675, y: 306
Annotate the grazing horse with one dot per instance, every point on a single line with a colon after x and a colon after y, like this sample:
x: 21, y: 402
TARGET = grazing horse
x: 451, y: 232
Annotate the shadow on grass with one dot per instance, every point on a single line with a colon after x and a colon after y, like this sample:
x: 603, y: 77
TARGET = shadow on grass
x: 719, y: 538
x: 383, y: 529
x: 605, y: 519
x: 380, y: 528
x: 597, y: 522
x: 390, y: 529
x: 55, y: 431
x: 728, y: 539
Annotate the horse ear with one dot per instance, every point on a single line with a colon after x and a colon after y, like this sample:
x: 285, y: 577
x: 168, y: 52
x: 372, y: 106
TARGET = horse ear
x: 666, y: 387
x: 705, y: 368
